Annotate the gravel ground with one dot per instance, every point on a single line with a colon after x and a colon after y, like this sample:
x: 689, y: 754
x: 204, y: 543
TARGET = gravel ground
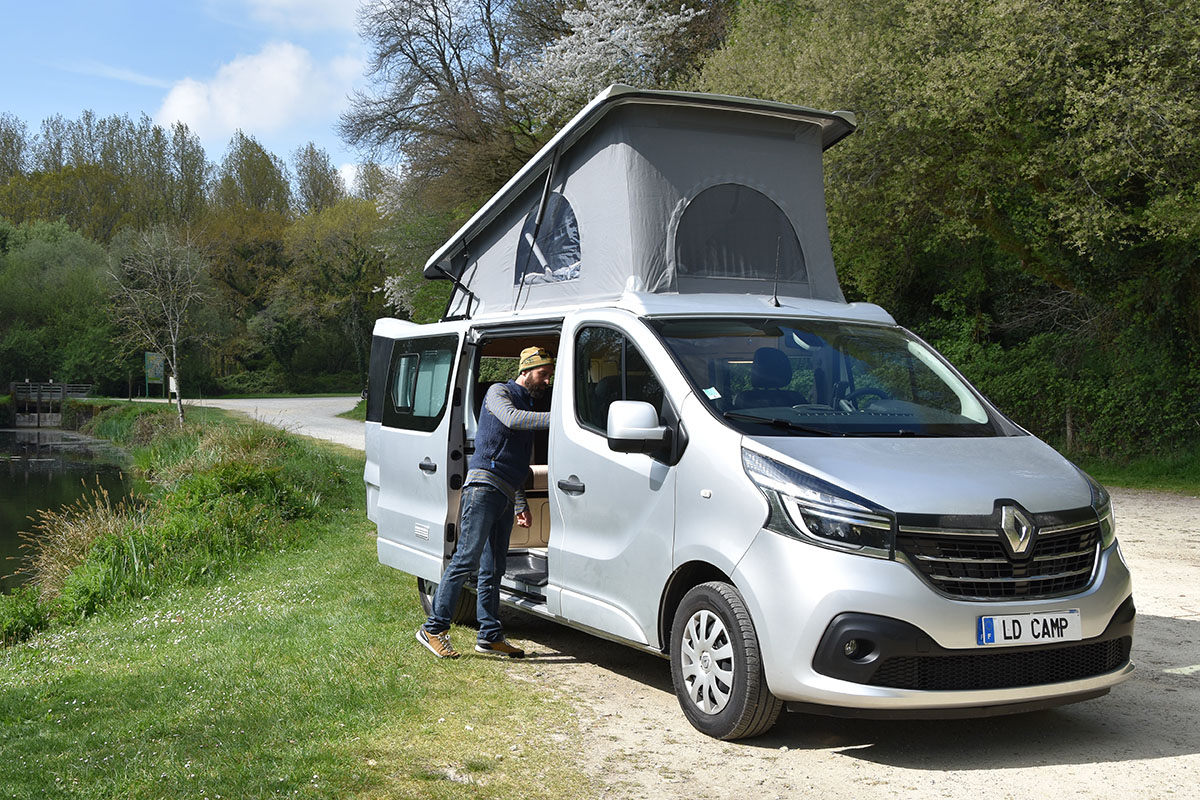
x: 307, y: 416
x: 1140, y: 741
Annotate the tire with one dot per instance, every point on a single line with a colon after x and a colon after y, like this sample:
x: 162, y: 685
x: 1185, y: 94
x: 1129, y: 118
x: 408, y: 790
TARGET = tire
x: 716, y: 665
x: 464, y: 611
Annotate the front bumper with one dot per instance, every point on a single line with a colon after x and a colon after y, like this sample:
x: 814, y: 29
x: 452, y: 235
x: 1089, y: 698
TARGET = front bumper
x: 807, y: 602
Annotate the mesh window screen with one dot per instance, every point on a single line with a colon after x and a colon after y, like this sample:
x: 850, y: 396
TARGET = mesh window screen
x: 733, y: 231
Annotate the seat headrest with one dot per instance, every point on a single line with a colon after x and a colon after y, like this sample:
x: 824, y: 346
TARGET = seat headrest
x: 770, y: 370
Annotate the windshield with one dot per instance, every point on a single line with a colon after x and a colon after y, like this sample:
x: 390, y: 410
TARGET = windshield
x: 823, y: 378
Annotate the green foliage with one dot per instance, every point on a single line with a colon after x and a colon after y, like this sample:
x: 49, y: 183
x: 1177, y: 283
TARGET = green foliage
x: 359, y: 412
x: 318, y: 183
x: 337, y: 268
x: 217, y: 493
x: 1174, y: 471
x: 1021, y: 189
x: 53, y: 298
x: 251, y: 179
x: 21, y: 615
x: 99, y: 175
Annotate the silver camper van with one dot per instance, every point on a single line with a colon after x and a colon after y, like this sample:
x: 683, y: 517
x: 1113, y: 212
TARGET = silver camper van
x: 795, y: 500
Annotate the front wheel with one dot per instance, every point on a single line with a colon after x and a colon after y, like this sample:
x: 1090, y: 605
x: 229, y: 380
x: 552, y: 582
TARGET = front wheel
x: 716, y: 665
x: 464, y: 610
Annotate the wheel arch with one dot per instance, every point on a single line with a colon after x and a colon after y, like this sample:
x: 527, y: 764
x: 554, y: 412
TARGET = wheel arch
x: 682, y: 580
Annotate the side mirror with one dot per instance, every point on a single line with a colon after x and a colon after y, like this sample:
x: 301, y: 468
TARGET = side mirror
x: 633, y: 427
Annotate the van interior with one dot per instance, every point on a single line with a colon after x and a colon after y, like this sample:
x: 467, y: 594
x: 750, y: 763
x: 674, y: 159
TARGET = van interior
x: 496, y: 362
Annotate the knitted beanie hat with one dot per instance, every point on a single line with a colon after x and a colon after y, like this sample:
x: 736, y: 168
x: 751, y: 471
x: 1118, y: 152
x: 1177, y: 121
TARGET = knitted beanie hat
x: 534, y: 357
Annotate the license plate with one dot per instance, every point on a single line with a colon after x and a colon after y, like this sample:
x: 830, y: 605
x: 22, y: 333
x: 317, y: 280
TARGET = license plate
x: 1047, y: 626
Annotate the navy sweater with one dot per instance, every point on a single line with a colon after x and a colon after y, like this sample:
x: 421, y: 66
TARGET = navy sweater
x: 504, y: 440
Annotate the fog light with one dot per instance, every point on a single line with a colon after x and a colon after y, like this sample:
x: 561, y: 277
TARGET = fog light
x: 850, y: 648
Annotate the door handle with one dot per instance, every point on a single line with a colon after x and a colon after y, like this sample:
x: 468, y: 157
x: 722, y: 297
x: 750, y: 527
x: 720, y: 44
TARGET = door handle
x: 571, y: 485
x: 427, y: 465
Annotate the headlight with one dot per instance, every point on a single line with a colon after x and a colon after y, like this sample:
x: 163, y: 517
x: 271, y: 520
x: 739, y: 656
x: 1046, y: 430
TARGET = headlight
x: 1103, y: 505
x: 817, y: 512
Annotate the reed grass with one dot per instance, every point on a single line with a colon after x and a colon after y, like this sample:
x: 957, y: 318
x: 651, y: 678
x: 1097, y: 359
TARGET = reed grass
x: 215, y: 492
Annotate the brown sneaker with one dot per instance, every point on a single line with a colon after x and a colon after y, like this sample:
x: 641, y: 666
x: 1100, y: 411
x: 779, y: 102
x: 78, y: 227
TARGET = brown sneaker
x: 437, y: 643
x: 500, y: 648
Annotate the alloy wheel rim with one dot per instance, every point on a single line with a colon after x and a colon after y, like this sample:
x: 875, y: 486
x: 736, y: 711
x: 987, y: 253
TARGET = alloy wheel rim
x: 706, y: 657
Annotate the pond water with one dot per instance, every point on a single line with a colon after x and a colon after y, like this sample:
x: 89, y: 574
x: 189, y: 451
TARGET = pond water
x: 45, y: 469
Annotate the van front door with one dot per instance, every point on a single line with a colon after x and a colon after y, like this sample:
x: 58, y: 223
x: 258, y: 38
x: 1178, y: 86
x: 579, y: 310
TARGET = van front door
x: 613, y: 513
x: 415, y: 447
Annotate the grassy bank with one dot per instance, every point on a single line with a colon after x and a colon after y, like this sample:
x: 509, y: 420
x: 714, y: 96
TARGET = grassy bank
x: 274, y: 657
x: 1165, y: 473
x: 359, y: 412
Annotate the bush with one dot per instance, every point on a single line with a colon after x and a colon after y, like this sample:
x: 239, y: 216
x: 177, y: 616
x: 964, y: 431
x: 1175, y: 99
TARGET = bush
x: 21, y: 615
x: 218, y: 493
x: 267, y: 381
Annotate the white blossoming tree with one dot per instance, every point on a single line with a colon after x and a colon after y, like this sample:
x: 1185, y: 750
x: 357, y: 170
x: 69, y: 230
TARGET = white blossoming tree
x: 610, y: 41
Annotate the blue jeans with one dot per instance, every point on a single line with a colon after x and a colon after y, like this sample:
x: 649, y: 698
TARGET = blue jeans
x: 485, y: 524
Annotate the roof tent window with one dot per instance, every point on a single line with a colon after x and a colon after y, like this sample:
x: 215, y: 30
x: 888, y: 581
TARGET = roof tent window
x: 554, y: 256
x: 733, y: 231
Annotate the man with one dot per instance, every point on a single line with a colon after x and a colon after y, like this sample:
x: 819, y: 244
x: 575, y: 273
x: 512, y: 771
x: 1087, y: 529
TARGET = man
x: 491, y: 495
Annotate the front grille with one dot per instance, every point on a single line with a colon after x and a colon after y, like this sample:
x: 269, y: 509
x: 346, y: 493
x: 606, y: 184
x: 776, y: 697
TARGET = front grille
x: 1003, y: 670
x: 975, y: 565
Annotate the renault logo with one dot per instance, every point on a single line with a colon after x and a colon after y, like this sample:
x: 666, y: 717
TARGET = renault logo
x: 1018, y: 527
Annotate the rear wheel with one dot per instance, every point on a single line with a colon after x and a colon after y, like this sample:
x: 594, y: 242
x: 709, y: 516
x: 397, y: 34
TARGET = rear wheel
x: 716, y: 665
x: 464, y: 610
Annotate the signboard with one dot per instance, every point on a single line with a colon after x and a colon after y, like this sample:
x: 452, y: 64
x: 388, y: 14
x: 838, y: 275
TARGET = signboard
x: 156, y: 364
x: 156, y: 369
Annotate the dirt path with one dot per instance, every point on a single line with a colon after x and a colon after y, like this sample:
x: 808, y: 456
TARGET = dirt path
x: 1141, y: 741
x: 307, y: 416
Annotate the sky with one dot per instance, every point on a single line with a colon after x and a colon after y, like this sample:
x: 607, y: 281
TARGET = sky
x: 280, y: 71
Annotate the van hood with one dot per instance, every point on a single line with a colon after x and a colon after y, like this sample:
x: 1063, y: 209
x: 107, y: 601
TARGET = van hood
x: 938, y: 475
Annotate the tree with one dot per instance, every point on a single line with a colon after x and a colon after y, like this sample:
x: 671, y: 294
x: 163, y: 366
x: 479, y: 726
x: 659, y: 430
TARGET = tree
x: 338, y: 267
x: 374, y: 183
x: 190, y: 170
x: 53, y: 307
x: 1023, y: 185
x: 440, y: 95
x: 318, y: 184
x: 608, y: 41
x: 158, y: 282
x: 99, y: 174
x: 251, y: 178
x: 14, y: 146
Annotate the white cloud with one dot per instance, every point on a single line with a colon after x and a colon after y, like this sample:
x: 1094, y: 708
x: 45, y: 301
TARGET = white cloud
x: 279, y: 87
x: 348, y: 172
x: 305, y: 15
x: 103, y: 70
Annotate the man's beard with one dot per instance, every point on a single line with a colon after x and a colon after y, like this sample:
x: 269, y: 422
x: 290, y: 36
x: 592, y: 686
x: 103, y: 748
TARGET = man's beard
x: 536, y: 392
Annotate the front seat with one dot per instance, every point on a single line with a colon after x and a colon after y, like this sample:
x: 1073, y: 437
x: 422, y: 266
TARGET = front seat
x: 769, y: 373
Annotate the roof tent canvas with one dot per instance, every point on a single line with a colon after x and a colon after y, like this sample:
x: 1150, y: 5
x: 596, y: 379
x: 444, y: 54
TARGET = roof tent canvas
x: 661, y: 192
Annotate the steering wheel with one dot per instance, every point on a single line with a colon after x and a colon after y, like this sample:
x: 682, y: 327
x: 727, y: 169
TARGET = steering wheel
x: 850, y: 401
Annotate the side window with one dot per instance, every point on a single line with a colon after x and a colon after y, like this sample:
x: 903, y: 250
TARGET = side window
x: 555, y: 255
x: 418, y: 382
x: 608, y: 368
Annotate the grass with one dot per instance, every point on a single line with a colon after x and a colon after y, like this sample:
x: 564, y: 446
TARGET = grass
x: 289, y: 670
x: 359, y: 412
x: 1165, y: 473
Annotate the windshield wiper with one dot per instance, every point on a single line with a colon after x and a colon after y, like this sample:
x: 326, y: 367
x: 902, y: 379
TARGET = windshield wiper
x: 777, y: 422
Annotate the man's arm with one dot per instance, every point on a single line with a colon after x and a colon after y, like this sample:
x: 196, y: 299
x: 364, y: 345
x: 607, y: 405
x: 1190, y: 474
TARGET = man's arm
x: 501, y: 405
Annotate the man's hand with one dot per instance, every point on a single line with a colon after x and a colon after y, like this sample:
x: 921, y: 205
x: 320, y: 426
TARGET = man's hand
x: 524, y: 519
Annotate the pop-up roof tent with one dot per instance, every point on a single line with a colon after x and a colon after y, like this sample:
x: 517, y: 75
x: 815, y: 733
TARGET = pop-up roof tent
x: 652, y: 191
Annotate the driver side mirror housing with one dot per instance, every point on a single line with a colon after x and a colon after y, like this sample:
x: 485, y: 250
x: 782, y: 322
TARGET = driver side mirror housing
x: 634, y: 427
